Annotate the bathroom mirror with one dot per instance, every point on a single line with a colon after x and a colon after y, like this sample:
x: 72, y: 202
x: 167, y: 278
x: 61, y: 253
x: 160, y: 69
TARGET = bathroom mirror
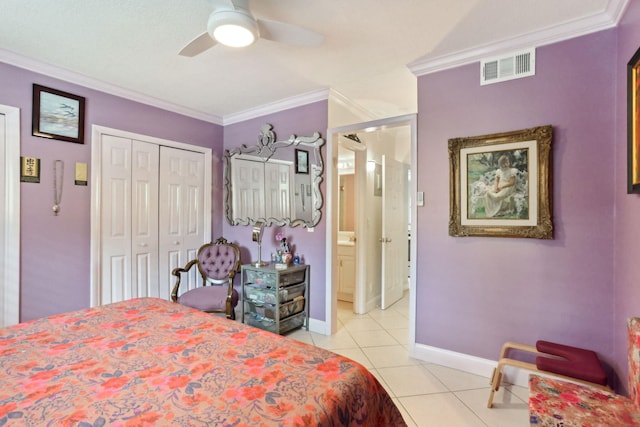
x: 274, y: 182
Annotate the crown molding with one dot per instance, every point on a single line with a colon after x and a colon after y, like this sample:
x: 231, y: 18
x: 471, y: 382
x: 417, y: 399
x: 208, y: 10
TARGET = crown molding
x: 40, y: 67
x: 609, y: 18
x: 277, y: 106
x: 356, y: 109
x: 49, y: 70
x: 616, y: 9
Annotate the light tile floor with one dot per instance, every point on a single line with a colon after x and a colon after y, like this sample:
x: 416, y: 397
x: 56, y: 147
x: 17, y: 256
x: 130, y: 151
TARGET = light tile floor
x: 426, y: 394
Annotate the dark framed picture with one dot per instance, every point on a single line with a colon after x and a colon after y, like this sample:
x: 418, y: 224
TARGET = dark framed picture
x: 57, y: 115
x: 500, y: 184
x: 633, y: 121
x: 302, y: 161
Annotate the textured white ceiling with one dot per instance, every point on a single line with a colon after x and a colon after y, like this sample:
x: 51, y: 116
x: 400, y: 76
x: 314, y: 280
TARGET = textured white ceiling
x: 134, y: 44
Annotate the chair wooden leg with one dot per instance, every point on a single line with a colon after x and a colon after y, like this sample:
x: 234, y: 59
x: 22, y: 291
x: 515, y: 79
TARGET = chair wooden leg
x: 496, y: 379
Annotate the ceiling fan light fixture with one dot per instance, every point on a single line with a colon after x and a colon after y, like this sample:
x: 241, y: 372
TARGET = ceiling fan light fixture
x: 233, y: 36
x: 233, y: 28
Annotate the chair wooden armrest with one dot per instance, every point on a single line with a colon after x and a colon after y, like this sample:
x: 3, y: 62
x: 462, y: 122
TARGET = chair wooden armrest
x: 178, y: 273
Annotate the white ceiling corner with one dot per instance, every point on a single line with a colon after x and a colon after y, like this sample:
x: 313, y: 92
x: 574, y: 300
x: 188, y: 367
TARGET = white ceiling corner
x: 606, y: 19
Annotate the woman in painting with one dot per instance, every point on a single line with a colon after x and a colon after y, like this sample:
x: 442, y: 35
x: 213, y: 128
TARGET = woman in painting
x: 497, y: 198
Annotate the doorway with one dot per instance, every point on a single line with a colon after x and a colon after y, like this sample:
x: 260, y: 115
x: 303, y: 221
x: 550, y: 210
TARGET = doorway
x: 375, y: 142
x: 351, y: 182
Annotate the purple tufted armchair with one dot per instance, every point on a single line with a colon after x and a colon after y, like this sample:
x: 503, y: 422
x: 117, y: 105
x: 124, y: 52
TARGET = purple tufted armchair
x: 218, y: 263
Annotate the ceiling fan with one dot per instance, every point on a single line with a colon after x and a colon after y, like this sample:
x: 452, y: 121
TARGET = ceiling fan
x: 231, y: 23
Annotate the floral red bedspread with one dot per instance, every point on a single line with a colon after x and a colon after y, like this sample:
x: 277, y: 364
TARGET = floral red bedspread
x: 152, y: 362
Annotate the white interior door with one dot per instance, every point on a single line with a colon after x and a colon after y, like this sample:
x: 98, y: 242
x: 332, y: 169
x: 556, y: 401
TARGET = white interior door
x: 394, y: 231
x: 181, y: 213
x: 3, y: 179
x: 9, y: 216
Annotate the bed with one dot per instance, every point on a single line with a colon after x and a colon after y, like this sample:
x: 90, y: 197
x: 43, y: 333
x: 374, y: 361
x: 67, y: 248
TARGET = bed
x: 148, y: 361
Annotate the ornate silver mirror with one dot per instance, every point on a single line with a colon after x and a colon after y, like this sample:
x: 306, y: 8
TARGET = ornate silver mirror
x: 274, y: 182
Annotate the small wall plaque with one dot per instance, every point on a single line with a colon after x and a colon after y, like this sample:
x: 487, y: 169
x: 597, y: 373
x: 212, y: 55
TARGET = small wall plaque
x: 29, y: 169
x: 81, y: 174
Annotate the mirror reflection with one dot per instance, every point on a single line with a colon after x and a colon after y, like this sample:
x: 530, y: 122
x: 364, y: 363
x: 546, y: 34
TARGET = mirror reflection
x: 276, y: 182
x: 347, y: 197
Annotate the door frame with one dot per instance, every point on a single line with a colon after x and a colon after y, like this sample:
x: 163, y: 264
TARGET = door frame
x: 332, y: 189
x: 10, y: 270
x: 96, y: 172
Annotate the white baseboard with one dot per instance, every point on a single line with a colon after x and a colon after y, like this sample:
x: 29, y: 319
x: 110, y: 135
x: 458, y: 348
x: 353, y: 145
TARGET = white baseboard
x: 467, y: 363
x: 318, y: 326
x: 450, y: 359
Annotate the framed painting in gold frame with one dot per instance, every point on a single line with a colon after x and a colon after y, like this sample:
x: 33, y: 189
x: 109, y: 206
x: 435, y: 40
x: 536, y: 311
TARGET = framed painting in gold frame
x: 633, y: 121
x: 500, y: 184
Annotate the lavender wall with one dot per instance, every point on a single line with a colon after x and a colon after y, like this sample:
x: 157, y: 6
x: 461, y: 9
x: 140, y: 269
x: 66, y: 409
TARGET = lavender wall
x: 472, y: 293
x: 475, y: 293
x: 301, y: 121
x: 627, y: 206
x: 55, y: 250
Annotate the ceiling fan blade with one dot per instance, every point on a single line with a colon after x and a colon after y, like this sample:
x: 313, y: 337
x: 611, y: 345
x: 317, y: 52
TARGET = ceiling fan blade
x: 289, y: 34
x: 197, y: 45
x: 230, y: 4
x: 239, y: 4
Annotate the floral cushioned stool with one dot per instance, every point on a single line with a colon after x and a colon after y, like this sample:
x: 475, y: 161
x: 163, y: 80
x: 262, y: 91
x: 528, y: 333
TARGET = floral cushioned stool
x: 558, y: 403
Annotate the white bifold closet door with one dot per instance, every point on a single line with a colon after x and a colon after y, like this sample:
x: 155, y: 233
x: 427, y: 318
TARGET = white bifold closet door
x: 181, y: 222
x: 261, y: 189
x: 152, y: 216
x: 277, y: 189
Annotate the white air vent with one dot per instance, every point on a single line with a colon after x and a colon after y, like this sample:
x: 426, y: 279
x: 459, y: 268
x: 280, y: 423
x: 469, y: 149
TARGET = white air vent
x: 508, y: 67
